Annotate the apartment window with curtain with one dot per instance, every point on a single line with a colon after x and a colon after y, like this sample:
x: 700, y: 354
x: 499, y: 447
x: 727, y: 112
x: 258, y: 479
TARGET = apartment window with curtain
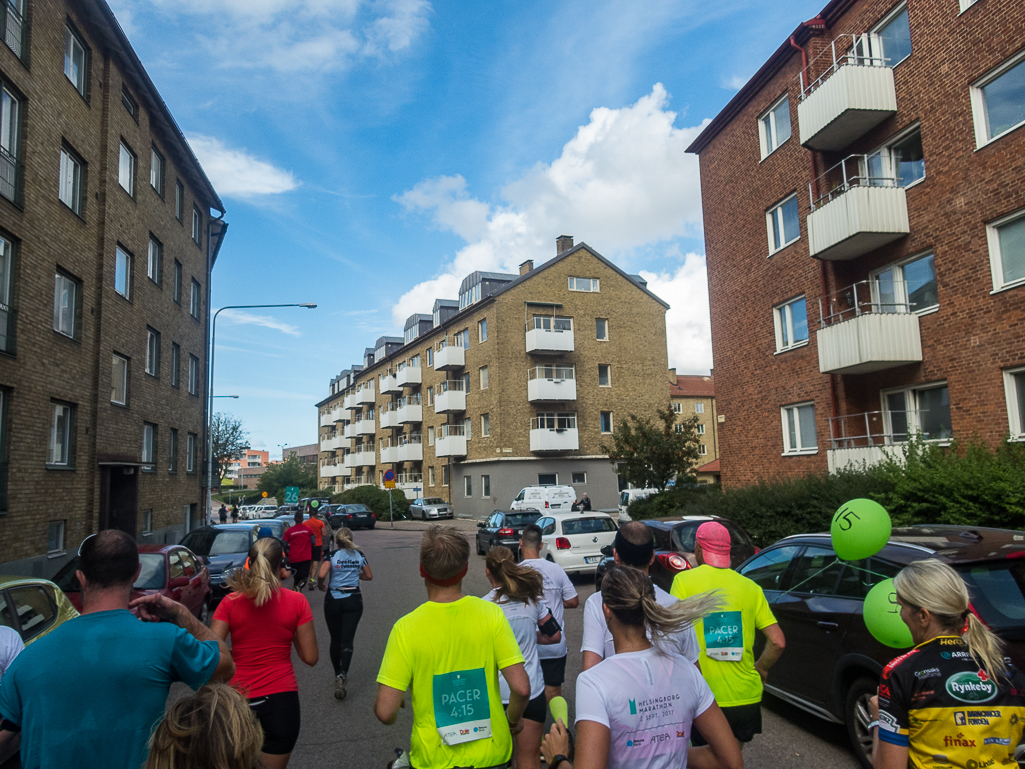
x: 179, y: 201
x: 485, y: 425
x: 176, y: 364
x: 907, y: 286
x: 699, y: 408
x: 922, y: 410
x: 484, y: 377
x: 774, y: 126
x: 122, y: 272
x: 606, y: 421
x: 152, y: 352
x: 11, y: 172
x: 197, y: 226
x: 149, y: 446
x: 791, y: 324
x: 69, y: 188
x: 893, y: 36
x: 62, y: 417
x: 485, y: 486
x: 783, y: 224
x: 155, y: 260
x: 468, y: 427
x: 172, y: 450
x: 604, y: 375
x: 156, y: 171
x: 119, y: 380
x: 1006, y: 239
x: 126, y: 169
x: 1014, y: 388
x: 799, y: 428
x: 601, y: 329
x: 430, y: 476
x: 76, y: 60
x: 6, y: 315
x: 65, y: 305
x: 193, y: 375
x: 194, y: 301
x: 177, y: 281
x: 430, y: 436
x: 584, y: 284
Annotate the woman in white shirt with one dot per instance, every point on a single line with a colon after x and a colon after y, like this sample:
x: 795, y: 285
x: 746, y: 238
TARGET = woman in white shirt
x: 519, y: 590
x: 636, y: 708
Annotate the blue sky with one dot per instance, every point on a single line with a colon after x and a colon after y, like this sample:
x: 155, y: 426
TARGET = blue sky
x: 370, y: 153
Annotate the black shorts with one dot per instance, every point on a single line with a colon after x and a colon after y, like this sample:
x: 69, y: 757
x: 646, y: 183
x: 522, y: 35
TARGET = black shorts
x: 317, y: 550
x: 554, y: 671
x: 744, y: 720
x: 279, y: 716
x: 537, y: 709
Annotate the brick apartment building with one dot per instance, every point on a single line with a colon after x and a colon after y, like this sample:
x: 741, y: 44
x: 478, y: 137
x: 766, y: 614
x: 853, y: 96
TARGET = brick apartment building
x: 250, y: 460
x: 307, y: 454
x: 516, y: 383
x: 864, y: 210
x: 106, y: 248
x: 690, y: 396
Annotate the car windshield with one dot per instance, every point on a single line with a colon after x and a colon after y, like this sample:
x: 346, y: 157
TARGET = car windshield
x: 151, y: 577
x: 521, y: 519
x: 434, y: 501
x: 685, y: 536
x: 587, y: 525
x: 996, y: 592
x: 217, y: 542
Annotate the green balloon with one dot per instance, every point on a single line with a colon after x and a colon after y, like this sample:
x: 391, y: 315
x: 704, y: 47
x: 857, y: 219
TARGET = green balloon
x: 860, y: 529
x: 882, y: 617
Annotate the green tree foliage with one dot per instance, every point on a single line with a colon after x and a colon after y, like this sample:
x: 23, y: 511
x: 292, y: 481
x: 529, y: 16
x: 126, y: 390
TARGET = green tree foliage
x: 649, y: 453
x: 377, y: 500
x: 230, y: 441
x: 291, y: 472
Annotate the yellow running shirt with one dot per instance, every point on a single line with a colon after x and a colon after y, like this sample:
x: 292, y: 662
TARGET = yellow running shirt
x: 451, y: 654
x: 727, y: 643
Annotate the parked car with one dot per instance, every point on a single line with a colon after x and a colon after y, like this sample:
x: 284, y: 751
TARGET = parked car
x: 276, y: 525
x: 286, y: 510
x: 324, y: 502
x: 430, y: 507
x: 352, y: 516
x: 225, y: 547
x: 832, y: 663
x: 502, y: 528
x: 290, y: 517
x: 544, y: 498
x: 264, y: 511
x: 674, y: 547
x: 626, y: 496
x: 33, y: 607
x: 171, y: 570
x: 574, y: 540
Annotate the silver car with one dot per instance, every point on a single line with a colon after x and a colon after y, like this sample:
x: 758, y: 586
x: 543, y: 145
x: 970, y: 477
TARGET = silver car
x: 426, y: 508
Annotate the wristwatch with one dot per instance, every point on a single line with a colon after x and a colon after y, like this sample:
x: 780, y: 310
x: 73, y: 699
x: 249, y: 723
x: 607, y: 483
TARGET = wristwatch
x: 557, y: 760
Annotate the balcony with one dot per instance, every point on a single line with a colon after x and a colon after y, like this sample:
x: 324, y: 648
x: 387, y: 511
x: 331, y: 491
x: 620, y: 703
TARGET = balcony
x: 852, y: 96
x: 449, y: 357
x: 410, y: 448
x: 862, y: 440
x: 410, y: 376
x: 554, y: 432
x: 330, y: 470
x: 364, y: 456
x: 349, y: 402
x: 365, y: 397
x: 388, y: 453
x: 333, y: 443
x: 545, y: 337
x: 862, y: 331
x: 413, y: 482
x: 410, y: 411
x: 390, y: 385
x: 389, y: 415
x: 366, y: 426
x: 325, y: 419
x: 338, y: 413
x: 451, y: 441
x: 450, y: 398
x: 349, y: 429
x: 551, y: 383
x: 859, y: 213
x: 348, y: 460
x: 358, y: 480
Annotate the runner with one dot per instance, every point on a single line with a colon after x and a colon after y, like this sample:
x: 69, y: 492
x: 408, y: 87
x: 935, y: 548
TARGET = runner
x: 953, y: 695
x: 299, y: 541
x: 728, y: 664
x: 520, y: 592
x: 559, y: 595
x: 343, y: 604
x: 222, y: 513
x: 234, y: 513
x: 634, y: 546
x: 265, y: 622
x: 637, y: 707
x: 315, y: 524
x: 11, y: 646
x: 451, y: 649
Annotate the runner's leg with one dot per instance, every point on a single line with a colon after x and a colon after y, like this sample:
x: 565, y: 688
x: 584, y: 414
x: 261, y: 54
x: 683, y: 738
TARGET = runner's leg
x: 353, y: 611
x: 333, y: 614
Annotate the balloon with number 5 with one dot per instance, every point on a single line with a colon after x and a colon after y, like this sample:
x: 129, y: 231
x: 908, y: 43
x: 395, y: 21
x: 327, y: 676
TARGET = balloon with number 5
x: 882, y: 617
x: 860, y: 529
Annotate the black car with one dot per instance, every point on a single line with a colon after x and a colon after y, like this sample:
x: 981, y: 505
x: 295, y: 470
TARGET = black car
x: 352, y: 517
x: 831, y: 664
x: 501, y: 528
x: 674, y: 547
x: 224, y: 547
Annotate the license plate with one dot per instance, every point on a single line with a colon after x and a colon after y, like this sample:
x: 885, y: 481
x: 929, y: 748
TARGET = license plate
x: 592, y: 559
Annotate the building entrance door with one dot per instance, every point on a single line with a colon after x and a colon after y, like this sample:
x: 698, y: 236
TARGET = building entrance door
x: 119, y: 498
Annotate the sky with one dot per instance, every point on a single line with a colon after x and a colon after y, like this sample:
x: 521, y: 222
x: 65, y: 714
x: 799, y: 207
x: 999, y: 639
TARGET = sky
x: 372, y: 153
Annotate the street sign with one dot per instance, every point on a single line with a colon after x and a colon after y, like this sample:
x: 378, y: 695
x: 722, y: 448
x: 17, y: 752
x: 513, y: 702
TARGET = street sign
x: 265, y: 495
x: 291, y: 495
x: 389, y: 479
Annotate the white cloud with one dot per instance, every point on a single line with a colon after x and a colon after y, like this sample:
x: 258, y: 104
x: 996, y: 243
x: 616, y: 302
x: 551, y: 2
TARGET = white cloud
x: 236, y: 173
x: 241, y: 317
x: 688, y: 323
x: 736, y: 82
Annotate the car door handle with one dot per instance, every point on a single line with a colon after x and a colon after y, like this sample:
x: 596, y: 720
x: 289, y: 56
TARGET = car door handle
x: 828, y: 625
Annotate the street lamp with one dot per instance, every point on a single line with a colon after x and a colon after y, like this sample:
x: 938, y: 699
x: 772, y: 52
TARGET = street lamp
x: 225, y: 396
x: 210, y: 411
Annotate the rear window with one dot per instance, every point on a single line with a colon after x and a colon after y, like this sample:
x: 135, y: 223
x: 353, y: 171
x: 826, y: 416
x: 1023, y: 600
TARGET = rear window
x: 996, y: 593
x: 151, y: 577
x: 587, y: 525
x: 521, y: 519
x: 208, y: 543
x: 357, y: 508
x: 685, y: 536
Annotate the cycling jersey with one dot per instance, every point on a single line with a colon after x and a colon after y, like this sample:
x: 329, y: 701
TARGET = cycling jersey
x: 937, y: 702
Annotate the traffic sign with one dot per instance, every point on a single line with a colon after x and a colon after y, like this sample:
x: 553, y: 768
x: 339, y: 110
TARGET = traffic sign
x: 291, y: 495
x: 265, y: 495
x: 389, y: 479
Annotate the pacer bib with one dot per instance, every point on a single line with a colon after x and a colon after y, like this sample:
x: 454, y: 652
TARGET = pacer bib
x: 462, y: 712
x: 724, y: 636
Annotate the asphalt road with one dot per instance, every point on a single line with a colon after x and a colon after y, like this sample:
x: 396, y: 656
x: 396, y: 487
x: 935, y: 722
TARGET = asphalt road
x: 347, y: 733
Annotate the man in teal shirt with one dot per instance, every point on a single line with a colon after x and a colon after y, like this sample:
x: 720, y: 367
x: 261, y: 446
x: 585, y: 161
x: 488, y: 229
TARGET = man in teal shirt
x: 90, y: 693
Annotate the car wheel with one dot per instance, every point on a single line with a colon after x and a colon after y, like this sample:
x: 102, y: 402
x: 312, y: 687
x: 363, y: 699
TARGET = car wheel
x: 480, y: 550
x: 856, y: 714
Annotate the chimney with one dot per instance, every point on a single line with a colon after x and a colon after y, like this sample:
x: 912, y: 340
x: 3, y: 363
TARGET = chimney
x: 563, y: 243
x: 526, y: 267
x: 672, y: 375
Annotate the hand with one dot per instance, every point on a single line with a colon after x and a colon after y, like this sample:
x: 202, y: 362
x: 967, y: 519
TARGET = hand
x: 516, y: 728
x: 763, y: 673
x: 156, y: 608
x: 555, y: 742
x: 873, y: 707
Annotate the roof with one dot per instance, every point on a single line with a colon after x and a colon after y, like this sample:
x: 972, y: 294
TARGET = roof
x: 474, y: 278
x: 711, y: 467
x: 416, y: 318
x: 445, y: 303
x: 692, y: 387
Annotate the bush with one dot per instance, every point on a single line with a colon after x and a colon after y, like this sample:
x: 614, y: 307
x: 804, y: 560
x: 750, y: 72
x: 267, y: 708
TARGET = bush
x: 376, y: 499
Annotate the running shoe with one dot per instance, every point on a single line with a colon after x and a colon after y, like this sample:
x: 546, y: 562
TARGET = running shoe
x: 340, y: 686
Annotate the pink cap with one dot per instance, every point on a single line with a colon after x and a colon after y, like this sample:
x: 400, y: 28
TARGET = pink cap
x: 714, y: 539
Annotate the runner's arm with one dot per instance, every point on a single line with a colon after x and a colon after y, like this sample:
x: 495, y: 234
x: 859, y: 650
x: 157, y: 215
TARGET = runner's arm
x: 10, y: 744
x: 547, y: 640
x: 325, y: 569
x: 572, y: 603
x: 387, y: 704
x: 519, y: 691
x: 160, y: 608
x: 365, y: 573
x: 305, y: 642
x: 593, y: 743
x: 591, y: 659
x: 722, y: 750
x: 775, y: 643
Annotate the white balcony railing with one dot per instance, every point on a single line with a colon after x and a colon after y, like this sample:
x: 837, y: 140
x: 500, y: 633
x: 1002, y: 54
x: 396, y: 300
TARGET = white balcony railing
x: 451, y: 441
x: 551, y: 383
x: 358, y: 480
x: 389, y: 415
x: 330, y: 469
x: 366, y: 426
x: 863, y: 440
x: 365, y: 397
x: 390, y: 385
x: 550, y: 336
x: 338, y: 413
x: 451, y: 397
x: 554, y: 432
x: 389, y: 454
x: 451, y: 356
x: 349, y: 402
x: 349, y: 430
x: 410, y: 376
x: 410, y: 481
x: 409, y: 410
x: 366, y: 456
x: 410, y: 448
x: 325, y: 419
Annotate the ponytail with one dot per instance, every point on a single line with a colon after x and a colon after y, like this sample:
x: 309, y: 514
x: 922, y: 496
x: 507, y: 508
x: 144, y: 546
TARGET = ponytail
x: 518, y: 583
x: 343, y: 538
x: 260, y: 580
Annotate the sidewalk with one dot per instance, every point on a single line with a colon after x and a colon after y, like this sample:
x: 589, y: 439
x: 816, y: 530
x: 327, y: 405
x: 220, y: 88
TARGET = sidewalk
x: 463, y: 524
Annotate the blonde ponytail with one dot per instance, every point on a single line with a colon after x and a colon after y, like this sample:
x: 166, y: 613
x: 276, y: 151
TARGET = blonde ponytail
x: 260, y: 580
x: 343, y: 538
x: 518, y: 583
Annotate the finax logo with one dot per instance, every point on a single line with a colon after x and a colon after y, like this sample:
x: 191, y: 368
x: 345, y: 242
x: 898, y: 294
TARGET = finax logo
x: 633, y: 707
x: 971, y: 687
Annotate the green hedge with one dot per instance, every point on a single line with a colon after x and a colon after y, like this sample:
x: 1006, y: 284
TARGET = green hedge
x: 376, y: 499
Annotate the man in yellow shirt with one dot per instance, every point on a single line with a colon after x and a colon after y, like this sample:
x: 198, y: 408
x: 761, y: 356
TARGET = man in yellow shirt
x: 450, y: 651
x: 727, y: 637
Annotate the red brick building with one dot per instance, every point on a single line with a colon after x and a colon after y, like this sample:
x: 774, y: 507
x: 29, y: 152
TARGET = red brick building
x: 864, y: 213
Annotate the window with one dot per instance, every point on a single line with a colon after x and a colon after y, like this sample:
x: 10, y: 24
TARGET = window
x: 119, y: 380
x: 55, y: 538
x: 430, y: 357
x: 194, y: 376
x: 677, y: 408
x: 547, y: 479
x: 149, y: 446
x: 129, y: 103
x: 583, y: 284
x: 799, y: 429
x: 1007, y: 250
x: 893, y: 35
x: 11, y: 25
x: 445, y: 475
x: 462, y: 339
x: 699, y: 408
x: 63, y: 416
x: 579, y: 478
x: 194, y: 301
x: 678, y: 429
x: 430, y: 436
x: 908, y: 286
x: 190, y: 453
x: 485, y: 425
x: 606, y: 421
x: 430, y: 476
x: 913, y: 410
x: 69, y: 187
x: 553, y: 323
x: 172, y: 450
x: 126, y: 169
x: 774, y: 126
x: 176, y: 364
x: 783, y: 224
x: 156, y: 171
x: 791, y: 320
x: 484, y: 377
x: 467, y: 427
x: 155, y: 260
x: 998, y: 100
x: 152, y: 352
x: 702, y: 449
x: 466, y: 382
x: 901, y: 159
x: 75, y: 60
x: 601, y: 329
x: 196, y: 225
x: 179, y: 201
x: 65, y: 304
x: 467, y: 486
x: 10, y: 145
x: 177, y: 281
x: 482, y: 330
x: 966, y: 4
x: 485, y: 486
x: 147, y: 521
x: 122, y: 272
x: 604, y: 375
x: 1014, y: 388
x: 701, y: 429
x: 430, y: 395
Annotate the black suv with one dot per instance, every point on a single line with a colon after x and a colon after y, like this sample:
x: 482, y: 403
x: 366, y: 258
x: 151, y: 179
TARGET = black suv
x: 831, y: 664
x: 502, y: 528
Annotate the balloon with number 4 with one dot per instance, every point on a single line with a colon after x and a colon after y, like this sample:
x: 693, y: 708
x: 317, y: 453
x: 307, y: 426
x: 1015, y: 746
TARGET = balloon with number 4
x: 882, y: 617
x: 860, y: 529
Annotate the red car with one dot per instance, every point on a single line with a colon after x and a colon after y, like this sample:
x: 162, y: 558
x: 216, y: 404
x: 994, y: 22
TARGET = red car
x: 172, y: 570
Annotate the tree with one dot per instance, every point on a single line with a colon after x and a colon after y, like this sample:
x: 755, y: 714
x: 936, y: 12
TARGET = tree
x: 650, y: 453
x: 230, y: 441
x: 291, y: 472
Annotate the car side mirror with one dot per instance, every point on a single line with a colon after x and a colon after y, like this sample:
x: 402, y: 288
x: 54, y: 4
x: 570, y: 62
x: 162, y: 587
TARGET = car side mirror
x: 178, y: 582
x: 481, y: 524
x: 606, y: 550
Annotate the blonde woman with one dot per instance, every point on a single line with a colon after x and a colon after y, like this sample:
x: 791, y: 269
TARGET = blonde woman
x: 264, y: 623
x: 926, y: 697
x: 519, y: 590
x: 340, y: 576
x: 211, y: 729
x: 643, y: 691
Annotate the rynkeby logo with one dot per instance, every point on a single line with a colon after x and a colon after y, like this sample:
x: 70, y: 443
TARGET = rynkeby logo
x: 971, y: 687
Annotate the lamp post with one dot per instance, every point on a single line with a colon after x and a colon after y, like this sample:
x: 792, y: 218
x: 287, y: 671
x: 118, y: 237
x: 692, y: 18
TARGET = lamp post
x: 210, y: 391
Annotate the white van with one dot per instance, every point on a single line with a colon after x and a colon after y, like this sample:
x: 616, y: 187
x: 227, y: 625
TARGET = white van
x: 542, y: 498
x: 630, y: 495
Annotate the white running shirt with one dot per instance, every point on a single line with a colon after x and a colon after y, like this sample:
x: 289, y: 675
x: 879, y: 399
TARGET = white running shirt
x: 558, y: 588
x: 648, y: 701
x: 598, y: 639
x: 10, y: 647
x: 523, y: 618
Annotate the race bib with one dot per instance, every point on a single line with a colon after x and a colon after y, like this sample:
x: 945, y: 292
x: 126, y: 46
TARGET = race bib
x: 462, y: 711
x: 724, y: 636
